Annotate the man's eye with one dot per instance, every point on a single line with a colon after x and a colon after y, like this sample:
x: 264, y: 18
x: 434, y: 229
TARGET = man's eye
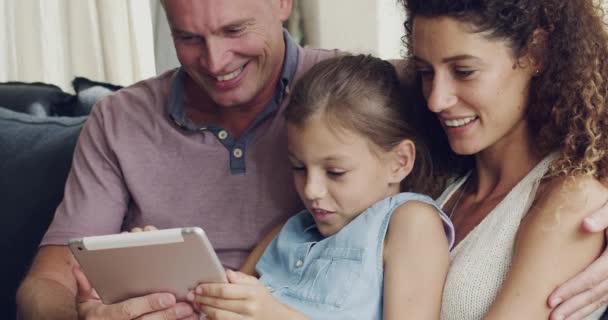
x: 187, y: 39
x: 235, y: 30
x: 298, y: 168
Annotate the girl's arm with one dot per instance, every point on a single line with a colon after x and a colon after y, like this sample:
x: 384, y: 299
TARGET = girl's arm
x: 248, y: 266
x: 416, y: 260
x: 550, y: 247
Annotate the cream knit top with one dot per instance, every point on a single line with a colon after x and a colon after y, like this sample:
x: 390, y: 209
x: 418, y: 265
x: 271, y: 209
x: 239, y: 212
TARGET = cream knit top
x: 480, y: 262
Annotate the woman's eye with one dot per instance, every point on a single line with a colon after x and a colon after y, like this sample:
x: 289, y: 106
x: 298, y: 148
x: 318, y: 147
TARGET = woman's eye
x: 425, y: 73
x: 464, y: 73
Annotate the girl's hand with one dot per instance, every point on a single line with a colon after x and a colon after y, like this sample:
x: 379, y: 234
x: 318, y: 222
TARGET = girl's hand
x: 245, y: 297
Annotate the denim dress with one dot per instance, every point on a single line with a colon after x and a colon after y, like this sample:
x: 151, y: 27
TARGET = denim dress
x: 338, y: 277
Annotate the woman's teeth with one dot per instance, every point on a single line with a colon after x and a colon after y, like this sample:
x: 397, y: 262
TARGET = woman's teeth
x: 458, y: 122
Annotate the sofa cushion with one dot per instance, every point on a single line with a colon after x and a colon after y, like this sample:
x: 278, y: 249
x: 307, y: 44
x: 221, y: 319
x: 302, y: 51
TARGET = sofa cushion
x: 38, y: 99
x: 35, y: 158
x: 88, y: 92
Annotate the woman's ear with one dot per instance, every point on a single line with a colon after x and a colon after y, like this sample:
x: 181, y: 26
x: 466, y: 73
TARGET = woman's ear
x: 537, y: 49
x: 402, y: 162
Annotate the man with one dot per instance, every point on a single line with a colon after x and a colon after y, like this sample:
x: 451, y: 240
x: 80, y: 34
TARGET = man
x: 203, y: 145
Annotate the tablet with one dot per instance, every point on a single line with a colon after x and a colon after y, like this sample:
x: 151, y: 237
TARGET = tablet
x: 127, y: 265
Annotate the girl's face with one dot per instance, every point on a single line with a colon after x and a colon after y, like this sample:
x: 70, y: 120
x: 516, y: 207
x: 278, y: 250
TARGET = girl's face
x: 336, y: 173
x: 474, y: 84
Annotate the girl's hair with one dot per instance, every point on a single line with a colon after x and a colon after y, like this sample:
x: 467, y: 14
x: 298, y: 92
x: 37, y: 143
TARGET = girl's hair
x: 567, y: 100
x: 363, y: 94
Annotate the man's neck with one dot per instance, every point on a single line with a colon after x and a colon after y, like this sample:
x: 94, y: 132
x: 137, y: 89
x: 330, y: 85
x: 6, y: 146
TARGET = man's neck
x: 202, y: 110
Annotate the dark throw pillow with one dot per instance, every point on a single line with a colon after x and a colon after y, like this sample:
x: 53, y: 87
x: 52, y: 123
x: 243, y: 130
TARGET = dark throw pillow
x: 35, y: 158
x: 88, y: 92
x: 39, y: 99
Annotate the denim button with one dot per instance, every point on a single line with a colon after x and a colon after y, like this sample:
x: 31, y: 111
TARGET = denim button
x: 299, y: 263
x: 237, y: 153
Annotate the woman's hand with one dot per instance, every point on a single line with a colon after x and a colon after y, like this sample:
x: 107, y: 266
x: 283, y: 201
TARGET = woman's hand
x: 245, y: 297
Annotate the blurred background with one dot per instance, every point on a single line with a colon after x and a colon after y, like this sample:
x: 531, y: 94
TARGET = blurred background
x: 122, y: 42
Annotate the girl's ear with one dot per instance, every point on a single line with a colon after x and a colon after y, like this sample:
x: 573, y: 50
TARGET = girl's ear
x: 402, y: 162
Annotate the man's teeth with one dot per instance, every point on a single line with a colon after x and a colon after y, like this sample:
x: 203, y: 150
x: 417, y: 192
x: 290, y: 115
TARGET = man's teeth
x: 231, y: 75
x: 458, y: 122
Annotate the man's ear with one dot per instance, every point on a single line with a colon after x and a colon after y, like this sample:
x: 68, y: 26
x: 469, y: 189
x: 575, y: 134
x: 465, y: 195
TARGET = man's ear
x: 285, y: 7
x: 402, y: 162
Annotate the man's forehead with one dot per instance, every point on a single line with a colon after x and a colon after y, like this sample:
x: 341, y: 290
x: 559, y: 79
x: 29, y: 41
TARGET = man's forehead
x: 214, y: 14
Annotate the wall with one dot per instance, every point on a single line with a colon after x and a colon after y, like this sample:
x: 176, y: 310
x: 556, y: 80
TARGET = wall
x: 361, y: 26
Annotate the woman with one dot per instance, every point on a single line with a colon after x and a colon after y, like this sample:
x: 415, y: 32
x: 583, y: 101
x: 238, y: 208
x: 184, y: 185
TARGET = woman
x: 518, y: 88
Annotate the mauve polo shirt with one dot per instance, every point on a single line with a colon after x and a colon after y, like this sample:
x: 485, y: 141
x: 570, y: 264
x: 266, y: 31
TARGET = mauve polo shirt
x: 139, y: 161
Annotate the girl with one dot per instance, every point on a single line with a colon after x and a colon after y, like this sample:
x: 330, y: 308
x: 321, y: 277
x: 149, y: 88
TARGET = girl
x: 519, y: 89
x: 361, y: 249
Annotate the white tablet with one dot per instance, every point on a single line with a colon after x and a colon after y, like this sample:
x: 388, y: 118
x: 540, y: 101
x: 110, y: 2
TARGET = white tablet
x: 127, y: 265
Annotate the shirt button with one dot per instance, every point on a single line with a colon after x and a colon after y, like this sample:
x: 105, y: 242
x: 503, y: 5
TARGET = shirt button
x: 299, y: 263
x: 222, y: 135
x: 237, y: 153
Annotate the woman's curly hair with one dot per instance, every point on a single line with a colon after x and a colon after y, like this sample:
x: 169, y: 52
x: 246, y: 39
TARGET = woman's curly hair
x: 568, y: 100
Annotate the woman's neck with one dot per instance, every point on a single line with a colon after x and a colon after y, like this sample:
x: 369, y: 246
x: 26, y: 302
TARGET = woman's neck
x: 501, y: 166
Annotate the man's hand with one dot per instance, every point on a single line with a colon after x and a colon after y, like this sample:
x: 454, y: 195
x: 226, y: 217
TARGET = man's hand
x: 161, y: 306
x: 245, y: 297
x: 587, y: 291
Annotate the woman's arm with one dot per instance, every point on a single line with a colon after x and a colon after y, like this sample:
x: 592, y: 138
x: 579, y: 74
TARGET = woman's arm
x: 550, y: 247
x: 248, y: 266
x: 416, y: 260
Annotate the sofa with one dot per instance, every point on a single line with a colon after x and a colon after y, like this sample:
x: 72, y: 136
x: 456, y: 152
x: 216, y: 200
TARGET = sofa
x: 39, y: 127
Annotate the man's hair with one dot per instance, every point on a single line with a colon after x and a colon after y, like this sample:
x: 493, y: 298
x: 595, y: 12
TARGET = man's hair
x: 567, y: 104
x: 363, y: 94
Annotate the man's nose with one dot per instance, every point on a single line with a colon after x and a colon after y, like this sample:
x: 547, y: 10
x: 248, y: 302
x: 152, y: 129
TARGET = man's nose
x: 215, y: 58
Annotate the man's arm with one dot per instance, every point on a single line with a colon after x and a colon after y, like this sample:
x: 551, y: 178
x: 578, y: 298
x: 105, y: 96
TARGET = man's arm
x: 49, y: 289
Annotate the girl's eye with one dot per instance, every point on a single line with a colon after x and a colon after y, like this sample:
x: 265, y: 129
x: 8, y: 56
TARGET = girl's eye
x: 335, y: 173
x: 298, y: 168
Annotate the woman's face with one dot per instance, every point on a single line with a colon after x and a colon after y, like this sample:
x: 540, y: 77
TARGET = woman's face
x: 474, y: 84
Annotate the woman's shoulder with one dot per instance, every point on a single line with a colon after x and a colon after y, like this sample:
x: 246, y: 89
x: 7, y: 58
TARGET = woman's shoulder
x: 574, y: 194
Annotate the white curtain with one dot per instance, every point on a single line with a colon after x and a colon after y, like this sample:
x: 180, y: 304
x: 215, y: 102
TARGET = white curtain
x: 53, y: 41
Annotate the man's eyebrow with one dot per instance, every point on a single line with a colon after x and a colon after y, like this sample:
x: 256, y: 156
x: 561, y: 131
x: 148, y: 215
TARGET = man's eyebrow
x: 236, y: 23
x: 239, y: 23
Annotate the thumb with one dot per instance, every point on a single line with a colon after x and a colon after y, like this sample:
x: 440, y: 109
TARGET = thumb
x: 85, y: 289
x: 241, y: 278
x: 597, y: 220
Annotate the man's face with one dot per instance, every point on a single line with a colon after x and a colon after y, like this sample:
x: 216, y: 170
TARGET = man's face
x: 232, y: 49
